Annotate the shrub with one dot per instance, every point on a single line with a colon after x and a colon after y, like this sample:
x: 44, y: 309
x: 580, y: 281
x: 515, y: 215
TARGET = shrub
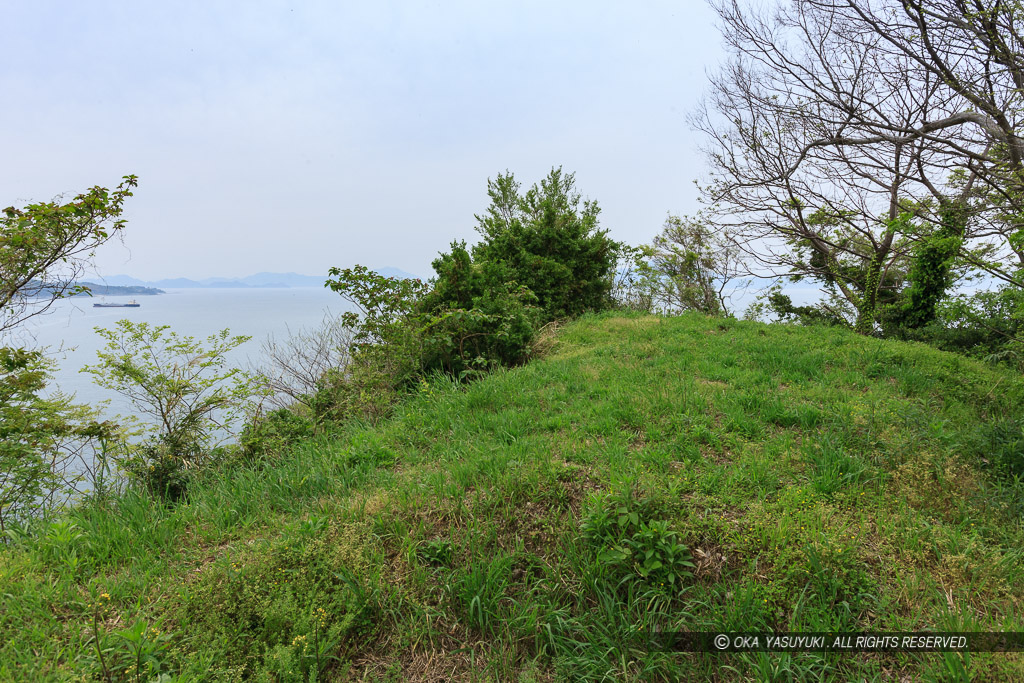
x: 981, y: 324
x: 469, y: 321
x: 386, y: 346
x: 274, y: 433
x: 473, y: 319
x: 549, y: 241
x: 299, y: 363
x: 192, y: 399
x: 161, y: 467
x: 542, y: 256
x: 40, y: 438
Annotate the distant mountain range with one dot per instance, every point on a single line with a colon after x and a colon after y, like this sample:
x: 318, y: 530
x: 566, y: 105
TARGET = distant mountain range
x: 275, y: 280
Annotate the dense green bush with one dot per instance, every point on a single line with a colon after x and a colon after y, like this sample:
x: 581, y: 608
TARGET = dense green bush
x: 985, y: 325
x: 273, y: 434
x: 548, y: 240
x: 474, y: 318
x: 162, y: 467
x: 542, y: 257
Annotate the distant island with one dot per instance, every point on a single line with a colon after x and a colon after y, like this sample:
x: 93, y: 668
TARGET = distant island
x: 125, y: 285
x: 264, y: 280
x: 36, y: 289
x: 115, y: 290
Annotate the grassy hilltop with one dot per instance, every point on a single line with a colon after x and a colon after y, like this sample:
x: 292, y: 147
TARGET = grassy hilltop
x: 682, y: 473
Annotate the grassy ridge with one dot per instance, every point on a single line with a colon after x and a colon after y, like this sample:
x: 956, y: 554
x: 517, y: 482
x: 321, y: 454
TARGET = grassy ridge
x: 819, y: 480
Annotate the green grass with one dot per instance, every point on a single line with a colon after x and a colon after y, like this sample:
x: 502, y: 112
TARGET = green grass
x: 786, y: 478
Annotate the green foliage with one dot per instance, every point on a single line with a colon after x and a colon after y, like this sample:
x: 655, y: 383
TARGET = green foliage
x: 781, y: 306
x: 45, y: 246
x: 384, y: 304
x: 550, y: 241
x: 274, y: 433
x: 39, y: 437
x: 984, y: 324
x: 542, y: 256
x: 475, y: 319
x: 468, y: 322
x: 931, y: 272
x: 386, y: 348
x: 189, y: 399
x: 161, y: 467
x: 688, y: 267
x: 633, y: 548
x: 296, y: 605
x: 133, y: 653
x: 860, y: 274
x: 833, y: 468
x: 436, y: 551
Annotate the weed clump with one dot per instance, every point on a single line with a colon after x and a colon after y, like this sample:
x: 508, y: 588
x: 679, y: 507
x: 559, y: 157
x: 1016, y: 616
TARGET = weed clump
x: 633, y: 548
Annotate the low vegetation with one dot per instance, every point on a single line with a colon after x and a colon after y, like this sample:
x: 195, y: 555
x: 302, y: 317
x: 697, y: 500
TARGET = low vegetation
x: 561, y: 447
x: 651, y: 473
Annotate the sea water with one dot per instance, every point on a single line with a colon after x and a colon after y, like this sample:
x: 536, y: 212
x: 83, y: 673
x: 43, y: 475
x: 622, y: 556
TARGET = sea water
x: 67, y: 331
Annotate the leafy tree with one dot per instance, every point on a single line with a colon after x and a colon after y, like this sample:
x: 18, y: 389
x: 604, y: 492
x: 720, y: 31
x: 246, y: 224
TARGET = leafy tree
x: 542, y: 256
x: 632, y: 289
x: 45, y: 442
x: 965, y: 73
x: 386, y: 346
x: 45, y: 247
x: 689, y: 267
x: 383, y: 302
x: 42, y: 440
x: 548, y: 239
x: 191, y: 399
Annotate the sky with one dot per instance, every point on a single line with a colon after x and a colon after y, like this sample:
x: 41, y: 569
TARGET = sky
x: 296, y: 136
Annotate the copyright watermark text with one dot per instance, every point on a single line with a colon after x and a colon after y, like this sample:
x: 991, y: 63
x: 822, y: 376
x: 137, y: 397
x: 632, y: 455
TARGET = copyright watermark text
x: 923, y: 641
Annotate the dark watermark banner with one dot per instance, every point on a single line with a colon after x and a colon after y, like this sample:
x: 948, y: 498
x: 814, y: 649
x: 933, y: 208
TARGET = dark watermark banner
x: 780, y: 641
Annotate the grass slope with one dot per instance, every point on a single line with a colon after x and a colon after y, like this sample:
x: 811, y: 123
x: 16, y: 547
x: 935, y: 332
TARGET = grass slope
x: 819, y: 479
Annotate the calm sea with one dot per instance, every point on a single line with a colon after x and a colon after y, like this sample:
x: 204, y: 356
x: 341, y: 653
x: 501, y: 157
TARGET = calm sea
x: 67, y: 330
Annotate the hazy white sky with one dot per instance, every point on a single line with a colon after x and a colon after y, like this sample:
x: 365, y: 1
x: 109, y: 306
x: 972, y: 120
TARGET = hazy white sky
x: 294, y: 136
